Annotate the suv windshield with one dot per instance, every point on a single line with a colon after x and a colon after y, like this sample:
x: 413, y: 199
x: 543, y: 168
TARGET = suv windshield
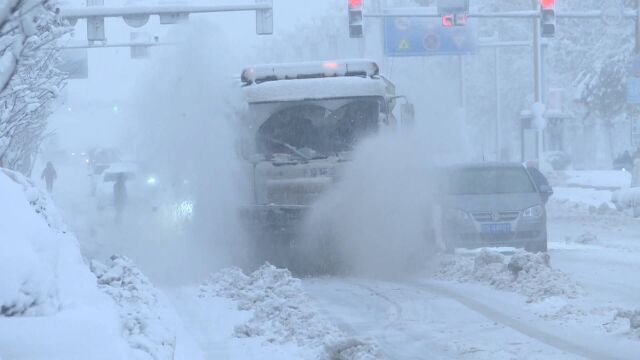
x: 497, y: 180
x: 318, y: 131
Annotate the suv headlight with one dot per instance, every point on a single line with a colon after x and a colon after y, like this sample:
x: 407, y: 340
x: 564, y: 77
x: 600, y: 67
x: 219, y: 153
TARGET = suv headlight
x: 457, y: 214
x: 534, y: 212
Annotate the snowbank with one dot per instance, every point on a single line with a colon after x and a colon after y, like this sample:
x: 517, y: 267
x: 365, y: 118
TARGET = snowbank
x: 139, y: 307
x: 595, y: 179
x: 281, y: 313
x: 45, y: 287
x: 579, y: 202
x: 525, y: 273
x: 588, y: 197
x: 633, y: 316
x: 626, y: 198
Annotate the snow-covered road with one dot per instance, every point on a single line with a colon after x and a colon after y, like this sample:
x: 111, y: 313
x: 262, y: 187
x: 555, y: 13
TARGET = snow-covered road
x: 428, y: 321
x: 424, y: 318
x: 596, y: 259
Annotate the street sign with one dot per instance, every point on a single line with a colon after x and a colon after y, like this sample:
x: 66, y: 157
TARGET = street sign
x: 404, y: 36
x: 264, y: 19
x: 95, y: 24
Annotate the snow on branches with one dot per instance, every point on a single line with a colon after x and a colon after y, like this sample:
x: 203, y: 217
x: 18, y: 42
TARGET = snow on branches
x: 29, y: 80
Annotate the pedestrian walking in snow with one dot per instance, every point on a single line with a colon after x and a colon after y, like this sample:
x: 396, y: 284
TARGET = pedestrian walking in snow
x: 49, y: 175
x: 120, y: 195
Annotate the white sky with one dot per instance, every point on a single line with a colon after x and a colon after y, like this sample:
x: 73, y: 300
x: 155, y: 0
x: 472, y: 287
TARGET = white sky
x: 87, y: 116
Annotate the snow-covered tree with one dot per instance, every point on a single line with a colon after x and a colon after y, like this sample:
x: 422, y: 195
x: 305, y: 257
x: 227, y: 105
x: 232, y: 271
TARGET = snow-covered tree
x: 592, y: 58
x: 29, y: 80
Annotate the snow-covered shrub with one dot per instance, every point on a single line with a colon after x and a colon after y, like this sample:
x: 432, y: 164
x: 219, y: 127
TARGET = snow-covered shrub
x: 139, y: 307
x: 525, y: 273
x: 282, y: 313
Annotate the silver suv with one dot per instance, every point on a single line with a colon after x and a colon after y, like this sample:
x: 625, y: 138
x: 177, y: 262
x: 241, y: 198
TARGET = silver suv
x: 494, y: 205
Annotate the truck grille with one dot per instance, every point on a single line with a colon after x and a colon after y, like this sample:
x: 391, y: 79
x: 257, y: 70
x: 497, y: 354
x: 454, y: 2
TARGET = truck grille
x: 497, y: 216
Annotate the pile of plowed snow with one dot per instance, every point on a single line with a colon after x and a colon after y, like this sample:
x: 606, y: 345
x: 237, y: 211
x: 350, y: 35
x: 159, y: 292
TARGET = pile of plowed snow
x: 139, y: 307
x: 575, y: 202
x: 525, y: 273
x: 50, y: 306
x: 633, y: 316
x: 282, y: 313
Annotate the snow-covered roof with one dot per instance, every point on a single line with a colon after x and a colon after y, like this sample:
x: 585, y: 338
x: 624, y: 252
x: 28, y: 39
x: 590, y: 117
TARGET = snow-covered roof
x: 313, y: 89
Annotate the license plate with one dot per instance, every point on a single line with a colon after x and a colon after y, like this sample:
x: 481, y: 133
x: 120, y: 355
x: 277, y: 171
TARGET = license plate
x: 496, y: 228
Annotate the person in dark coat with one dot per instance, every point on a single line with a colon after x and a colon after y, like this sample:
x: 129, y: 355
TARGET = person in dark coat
x: 120, y: 195
x: 49, y: 175
x: 538, y: 177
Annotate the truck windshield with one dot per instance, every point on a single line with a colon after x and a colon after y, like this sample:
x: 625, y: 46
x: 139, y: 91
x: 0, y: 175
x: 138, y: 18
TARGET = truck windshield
x: 482, y: 181
x: 317, y: 130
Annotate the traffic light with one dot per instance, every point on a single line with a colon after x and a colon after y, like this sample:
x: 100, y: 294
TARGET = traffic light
x: 356, y: 19
x: 452, y: 20
x: 547, y: 18
x: 453, y: 12
x: 448, y: 21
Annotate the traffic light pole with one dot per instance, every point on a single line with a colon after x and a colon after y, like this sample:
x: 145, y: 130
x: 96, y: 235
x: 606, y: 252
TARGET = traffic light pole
x: 496, y: 54
x: 637, y: 27
x: 537, y: 80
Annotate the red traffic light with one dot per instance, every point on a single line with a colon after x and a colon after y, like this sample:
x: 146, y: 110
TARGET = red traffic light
x: 547, y: 4
x: 355, y: 4
x: 448, y: 20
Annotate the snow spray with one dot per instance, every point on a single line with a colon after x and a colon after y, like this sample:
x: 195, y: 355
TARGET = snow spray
x: 186, y: 131
x: 378, y: 220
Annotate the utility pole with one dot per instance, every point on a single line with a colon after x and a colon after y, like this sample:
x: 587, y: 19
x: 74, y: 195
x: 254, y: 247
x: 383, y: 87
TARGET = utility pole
x: 462, y: 85
x: 538, y: 112
x: 498, y: 129
x: 637, y: 27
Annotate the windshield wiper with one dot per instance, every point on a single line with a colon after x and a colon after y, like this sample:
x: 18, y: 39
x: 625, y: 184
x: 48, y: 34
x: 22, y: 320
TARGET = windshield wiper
x: 290, y: 147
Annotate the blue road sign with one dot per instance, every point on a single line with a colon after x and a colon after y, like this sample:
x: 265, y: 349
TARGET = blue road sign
x: 404, y: 36
x: 633, y: 90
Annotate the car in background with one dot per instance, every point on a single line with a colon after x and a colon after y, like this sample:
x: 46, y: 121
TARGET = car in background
x: 493, y: 205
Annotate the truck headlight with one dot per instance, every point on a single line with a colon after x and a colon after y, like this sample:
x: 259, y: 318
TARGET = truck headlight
x: 151, y: 180
x: 534, y: 212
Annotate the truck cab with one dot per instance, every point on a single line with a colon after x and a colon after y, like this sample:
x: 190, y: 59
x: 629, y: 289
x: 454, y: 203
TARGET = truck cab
x: 302, y: 124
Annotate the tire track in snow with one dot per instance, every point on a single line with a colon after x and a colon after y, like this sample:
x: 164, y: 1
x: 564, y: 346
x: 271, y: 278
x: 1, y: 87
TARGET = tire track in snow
x: 394, y: 320
x: 519, y: 326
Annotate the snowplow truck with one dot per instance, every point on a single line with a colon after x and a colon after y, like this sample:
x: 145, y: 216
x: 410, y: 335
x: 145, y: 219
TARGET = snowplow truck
x: 302, y: 123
